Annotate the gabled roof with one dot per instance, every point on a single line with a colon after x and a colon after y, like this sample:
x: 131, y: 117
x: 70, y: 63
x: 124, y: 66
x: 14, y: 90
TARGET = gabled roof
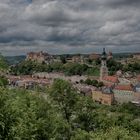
x: 138, y: 85
x: 124, y: 87
x: 112, y: 79
x: 138, y: 77
x: 107, y: 90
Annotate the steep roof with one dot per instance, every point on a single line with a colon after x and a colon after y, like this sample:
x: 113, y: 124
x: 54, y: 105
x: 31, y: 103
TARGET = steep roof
x: 124, y: 87
x: 112, y: 79
x: 137, y: 87
x: 107, y: 90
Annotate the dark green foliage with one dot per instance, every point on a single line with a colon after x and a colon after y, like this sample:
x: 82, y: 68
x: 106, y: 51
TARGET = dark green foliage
x: 28, y: 116
x: 93, y: 83
x: 75, y: 69
x: 3, y: 81
x: 98, y: 61
x: 3, y: 64
x: 94, y: 71
x: 30, y: 67
x: 63, y: 59
x: 134, y: 67
x: 89, y: 61
x: 63, y: 114
x: 65, y: 96
x: 113, y: 66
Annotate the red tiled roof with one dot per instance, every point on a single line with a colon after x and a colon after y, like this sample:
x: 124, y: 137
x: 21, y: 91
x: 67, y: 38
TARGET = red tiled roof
x: 109, y: 85
x: 138, y: 77
x: 124, y: 87
x: 112, y: 79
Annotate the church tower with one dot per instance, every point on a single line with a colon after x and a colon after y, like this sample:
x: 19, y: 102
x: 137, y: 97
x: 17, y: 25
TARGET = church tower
x: 103, y: 69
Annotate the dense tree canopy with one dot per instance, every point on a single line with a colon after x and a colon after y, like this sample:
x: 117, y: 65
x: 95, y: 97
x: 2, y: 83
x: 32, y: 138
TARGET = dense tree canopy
x: 133, y: 67
x: 113, y: 66
x: 3, y: 64
x: 30, y: 67
x: 60, y: 113
x: 92, y: 82
x: 3, y: 81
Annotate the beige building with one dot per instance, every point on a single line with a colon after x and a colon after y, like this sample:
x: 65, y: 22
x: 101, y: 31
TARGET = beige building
x: 124, y: 93
x: 105, y: 96
x: 110, y: 55
x: 94, y: 56
x: 137, y: 56
x: 78, y: 59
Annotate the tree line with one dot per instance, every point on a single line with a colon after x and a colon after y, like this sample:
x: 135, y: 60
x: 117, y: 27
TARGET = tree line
x: 30, y: 67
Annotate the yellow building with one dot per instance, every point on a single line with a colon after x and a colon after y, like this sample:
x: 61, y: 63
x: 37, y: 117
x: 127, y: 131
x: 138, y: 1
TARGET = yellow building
x: 105, y: 96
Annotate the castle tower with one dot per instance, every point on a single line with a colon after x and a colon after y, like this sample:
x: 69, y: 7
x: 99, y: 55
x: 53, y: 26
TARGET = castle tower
x: 103, y: 69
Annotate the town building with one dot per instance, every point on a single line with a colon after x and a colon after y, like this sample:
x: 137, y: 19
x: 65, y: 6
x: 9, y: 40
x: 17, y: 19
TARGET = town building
x: 121, y: 84
x: 40, y: 57
x: 85, y: 90
x: 137, y: 95
x: 103, y: 96
x: 124, y: 81
x: 137, y: 87
x: 119, y: 73
x: 110, y: 80
x: 27, y: 81
x: 136, y: 56
x: 103, y: 69
x: 78, y: 59
x: 52, y: 76
x: 110, y: 56
x: 124, y: 93
x: 94, y: 56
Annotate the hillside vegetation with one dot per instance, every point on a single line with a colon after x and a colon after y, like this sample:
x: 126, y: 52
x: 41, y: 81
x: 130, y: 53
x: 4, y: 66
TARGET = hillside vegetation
x: 3, y: 64
x: 60, y: 113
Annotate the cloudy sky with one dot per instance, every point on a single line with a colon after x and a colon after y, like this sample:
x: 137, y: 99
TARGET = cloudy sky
x: 69, y: 26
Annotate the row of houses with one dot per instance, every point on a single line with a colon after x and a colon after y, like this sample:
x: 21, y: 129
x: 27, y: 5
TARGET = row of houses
x: 123, y: 86
x: 113, y: 91
x: 41, y: 79
x: 27, y: 81
x: 73, y: 79
x: 123, y: 90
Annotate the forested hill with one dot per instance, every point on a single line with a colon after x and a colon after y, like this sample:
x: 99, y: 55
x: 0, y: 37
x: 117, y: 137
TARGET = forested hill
x: 14, y: 59
x: 3, y: 64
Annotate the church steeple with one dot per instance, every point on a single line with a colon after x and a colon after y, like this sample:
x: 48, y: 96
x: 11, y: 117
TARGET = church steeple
x: 104, y: 69
x: 104, y: 56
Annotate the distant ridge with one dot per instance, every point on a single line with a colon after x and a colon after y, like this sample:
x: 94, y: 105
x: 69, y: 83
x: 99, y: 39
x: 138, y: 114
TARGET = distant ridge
x: 15, y: 59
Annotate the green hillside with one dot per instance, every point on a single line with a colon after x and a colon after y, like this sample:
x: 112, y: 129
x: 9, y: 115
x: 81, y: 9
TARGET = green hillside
x: 3, y: 64
x: 60, y: 113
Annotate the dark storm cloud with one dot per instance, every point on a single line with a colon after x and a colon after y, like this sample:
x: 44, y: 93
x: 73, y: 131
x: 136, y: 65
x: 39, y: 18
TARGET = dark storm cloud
x: 69, y: 25
x: 116, y: 3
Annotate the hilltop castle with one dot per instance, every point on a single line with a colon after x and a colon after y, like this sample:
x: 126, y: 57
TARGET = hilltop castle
x: 39, y: 57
